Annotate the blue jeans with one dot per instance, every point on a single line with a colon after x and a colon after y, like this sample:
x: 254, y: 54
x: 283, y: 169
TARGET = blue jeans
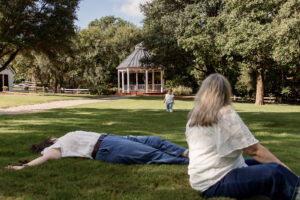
x: 169, y: 107
x: 270, y: 179
x: 139, y: 150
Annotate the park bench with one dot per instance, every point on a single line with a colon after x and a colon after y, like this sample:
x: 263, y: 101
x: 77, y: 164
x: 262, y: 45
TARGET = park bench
x: 270, y: 99
x: 266, y: 99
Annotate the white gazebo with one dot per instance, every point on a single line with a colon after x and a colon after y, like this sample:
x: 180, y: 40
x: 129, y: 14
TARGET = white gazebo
x: 133, y: 65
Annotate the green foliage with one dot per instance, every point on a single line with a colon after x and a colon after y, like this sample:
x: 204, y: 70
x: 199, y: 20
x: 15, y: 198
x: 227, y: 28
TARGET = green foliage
x: 35, y: 25
x: 286, y: 91
x: 160, y: 38
x: 286, y: 30
x: 182, y: 91
x: 102, y: 47
x: 227, y: 37
x: 90, y: 61
x: 101, y: 90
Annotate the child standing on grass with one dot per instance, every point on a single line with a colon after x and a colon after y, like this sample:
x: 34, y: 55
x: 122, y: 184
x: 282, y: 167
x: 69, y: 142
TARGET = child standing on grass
x: 169, y: 100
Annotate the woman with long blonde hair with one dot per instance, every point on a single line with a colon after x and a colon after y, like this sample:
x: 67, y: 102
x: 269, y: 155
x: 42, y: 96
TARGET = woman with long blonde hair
x: 217, y: 138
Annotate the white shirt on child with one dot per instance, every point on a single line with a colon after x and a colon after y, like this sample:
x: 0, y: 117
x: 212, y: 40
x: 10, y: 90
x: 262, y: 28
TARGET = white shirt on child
x: 216, y: 150
x: 169, y: 98
x: 76, y: 144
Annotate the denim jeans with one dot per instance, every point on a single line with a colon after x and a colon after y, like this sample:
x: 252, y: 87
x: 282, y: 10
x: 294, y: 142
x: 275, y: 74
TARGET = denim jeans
x: 169, y: 107
x: 139, y: 150
x: 269, y: 179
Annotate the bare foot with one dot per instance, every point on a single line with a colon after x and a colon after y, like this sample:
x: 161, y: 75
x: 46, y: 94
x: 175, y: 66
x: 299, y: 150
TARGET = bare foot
x: 185, y: 154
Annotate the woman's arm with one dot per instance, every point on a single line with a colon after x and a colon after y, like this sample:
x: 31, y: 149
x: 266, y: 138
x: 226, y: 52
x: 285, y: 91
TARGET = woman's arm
x: 262, y: 154
x: 52, y: 154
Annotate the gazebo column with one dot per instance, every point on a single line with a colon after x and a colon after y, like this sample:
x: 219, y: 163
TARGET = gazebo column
x: 128, y: 81
x: 123, y: 89
x: 118, y: 81
x: 146, y: 80
x: 161, y: 81
x: 137, y: 80
x: 152, y: 79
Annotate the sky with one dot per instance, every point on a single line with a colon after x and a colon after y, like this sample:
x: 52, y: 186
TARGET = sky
x: 128, y: 10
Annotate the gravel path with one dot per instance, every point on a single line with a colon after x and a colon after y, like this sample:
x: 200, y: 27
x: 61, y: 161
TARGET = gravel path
x: 51, y: 105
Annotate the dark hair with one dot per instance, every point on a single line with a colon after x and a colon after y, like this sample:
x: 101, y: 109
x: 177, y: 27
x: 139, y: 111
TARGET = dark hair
x: 37, y: 148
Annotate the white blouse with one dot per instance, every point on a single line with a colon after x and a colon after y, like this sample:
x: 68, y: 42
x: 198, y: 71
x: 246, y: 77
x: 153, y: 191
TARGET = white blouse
x: 76, y: 144
x: 216, y: 150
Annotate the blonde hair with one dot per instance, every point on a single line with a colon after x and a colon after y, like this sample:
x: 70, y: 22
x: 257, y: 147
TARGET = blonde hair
x: 214, y: 93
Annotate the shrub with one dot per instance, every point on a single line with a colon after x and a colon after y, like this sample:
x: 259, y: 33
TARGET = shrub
x: 101, y: 91
x: 182, y: 91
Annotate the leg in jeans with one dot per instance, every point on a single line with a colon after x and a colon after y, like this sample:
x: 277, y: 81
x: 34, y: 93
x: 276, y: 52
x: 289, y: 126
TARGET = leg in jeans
x: 118, y: 149
x: 171, y: 107
x: 270, y: 179
x: 158, y: 143
x: 251, y: 161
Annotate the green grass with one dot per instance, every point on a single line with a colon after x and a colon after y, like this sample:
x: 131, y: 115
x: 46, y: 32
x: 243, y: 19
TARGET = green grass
x: 277, y: 127
x: 17, y: 100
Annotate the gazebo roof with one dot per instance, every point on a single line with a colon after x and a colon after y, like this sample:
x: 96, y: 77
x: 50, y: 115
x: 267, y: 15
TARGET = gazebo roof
x: 134, y: 59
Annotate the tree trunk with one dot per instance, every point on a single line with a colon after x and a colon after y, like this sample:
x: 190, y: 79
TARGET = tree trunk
x: 259, y: 100
x: 9, y: 60
x: 55, y: 85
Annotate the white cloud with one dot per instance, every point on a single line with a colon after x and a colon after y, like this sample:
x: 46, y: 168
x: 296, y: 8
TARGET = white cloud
x: 132, y: 8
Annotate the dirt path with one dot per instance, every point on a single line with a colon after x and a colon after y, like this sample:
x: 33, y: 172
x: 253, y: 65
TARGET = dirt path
x: 51, y: 105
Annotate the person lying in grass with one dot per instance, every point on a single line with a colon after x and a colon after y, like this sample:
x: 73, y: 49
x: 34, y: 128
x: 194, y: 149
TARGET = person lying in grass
x: 217, y: 138
x: 110, y: 148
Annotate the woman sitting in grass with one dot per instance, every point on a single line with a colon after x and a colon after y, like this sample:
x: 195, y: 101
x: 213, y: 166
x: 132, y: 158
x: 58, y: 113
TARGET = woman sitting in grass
x: 217, y: 137
x: 109, y: 148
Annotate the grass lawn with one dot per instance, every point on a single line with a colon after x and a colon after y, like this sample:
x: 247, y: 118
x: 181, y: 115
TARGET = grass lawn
x: 277, y: 127
x: 17, y: 100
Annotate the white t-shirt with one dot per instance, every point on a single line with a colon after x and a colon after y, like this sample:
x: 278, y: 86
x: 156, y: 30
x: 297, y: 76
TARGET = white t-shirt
x: 169, y: 98
x: 216, y: 150
x: 76, y: 144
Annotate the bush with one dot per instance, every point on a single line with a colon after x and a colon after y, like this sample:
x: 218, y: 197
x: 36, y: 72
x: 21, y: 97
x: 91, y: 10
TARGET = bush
x: 182, y: 91
x: 101, y: 91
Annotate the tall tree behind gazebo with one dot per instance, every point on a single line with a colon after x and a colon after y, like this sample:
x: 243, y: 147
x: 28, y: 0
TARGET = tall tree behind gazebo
x: 134, y: 64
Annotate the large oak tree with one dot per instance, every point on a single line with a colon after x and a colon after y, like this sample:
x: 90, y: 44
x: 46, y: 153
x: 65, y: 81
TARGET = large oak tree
x: 43, y: 26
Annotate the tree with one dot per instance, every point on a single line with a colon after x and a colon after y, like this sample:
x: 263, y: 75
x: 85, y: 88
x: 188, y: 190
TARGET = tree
x: 189, y: 38
x: 286, y: 48
x: 202, y: 33
x: 102, y: 46
x: 249, y: 30
x: 35, y: 25
x: 160, y: 38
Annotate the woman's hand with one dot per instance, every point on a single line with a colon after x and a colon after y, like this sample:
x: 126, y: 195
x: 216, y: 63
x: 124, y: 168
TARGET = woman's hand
x: 12, y: 167
x: 52, y: 154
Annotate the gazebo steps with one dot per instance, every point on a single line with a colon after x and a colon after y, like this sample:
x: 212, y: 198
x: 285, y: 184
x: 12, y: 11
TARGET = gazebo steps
x: 139, y: 93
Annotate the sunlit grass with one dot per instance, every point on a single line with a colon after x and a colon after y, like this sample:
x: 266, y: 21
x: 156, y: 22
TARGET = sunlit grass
x: 17, y: 100
x: 277, y: 127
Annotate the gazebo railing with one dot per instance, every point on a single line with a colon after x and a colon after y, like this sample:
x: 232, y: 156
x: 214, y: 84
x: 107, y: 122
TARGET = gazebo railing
x: 142, y: 87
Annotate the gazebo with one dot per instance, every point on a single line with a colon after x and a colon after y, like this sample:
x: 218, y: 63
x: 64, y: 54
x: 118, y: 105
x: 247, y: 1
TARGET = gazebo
x: 133, y: 65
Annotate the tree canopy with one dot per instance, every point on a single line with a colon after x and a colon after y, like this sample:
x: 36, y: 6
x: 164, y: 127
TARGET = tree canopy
x: 230, y: 37
x: 35, y: 25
